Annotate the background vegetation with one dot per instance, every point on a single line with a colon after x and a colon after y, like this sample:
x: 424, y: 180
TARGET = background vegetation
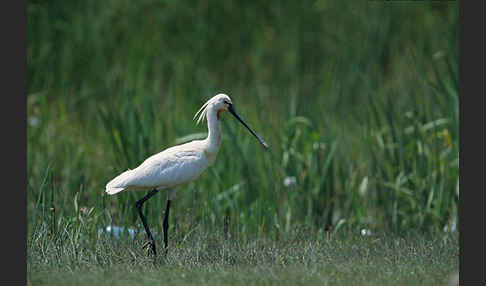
x: 357, y: 100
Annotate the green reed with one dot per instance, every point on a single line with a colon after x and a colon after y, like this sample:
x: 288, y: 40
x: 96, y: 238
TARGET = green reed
x: 360, y: 110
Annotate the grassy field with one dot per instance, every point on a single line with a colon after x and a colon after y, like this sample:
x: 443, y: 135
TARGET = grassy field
x: 358, y: 101
x: 203, y: 258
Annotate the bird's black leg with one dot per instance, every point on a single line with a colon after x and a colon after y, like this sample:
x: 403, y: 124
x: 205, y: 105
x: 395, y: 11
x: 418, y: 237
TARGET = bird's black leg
x: 144, y: 221
x: 166, y: 224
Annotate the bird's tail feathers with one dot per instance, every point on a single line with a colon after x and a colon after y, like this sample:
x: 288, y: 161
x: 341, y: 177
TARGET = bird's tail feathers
x: 112, y: 191
x: 118, y: 184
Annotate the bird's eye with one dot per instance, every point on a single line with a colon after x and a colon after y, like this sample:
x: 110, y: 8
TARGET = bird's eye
x: 226, y: 102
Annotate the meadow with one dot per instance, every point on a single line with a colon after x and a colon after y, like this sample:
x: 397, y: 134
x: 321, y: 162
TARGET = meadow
x: 358, y: 101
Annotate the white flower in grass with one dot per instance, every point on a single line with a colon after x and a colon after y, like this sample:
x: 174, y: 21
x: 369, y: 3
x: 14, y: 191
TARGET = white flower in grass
x: 33, y: 121
x: 365, y: 232
x: 290, y: 181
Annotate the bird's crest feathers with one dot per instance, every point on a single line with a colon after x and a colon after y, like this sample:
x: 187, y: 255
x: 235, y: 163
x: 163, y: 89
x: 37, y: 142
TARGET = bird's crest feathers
x: 202, y: 112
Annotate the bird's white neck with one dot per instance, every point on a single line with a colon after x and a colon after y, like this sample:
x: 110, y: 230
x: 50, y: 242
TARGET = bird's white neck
x: 213, y: 141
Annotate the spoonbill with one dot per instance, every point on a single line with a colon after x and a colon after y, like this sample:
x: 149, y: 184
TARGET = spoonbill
x: 177, y: 165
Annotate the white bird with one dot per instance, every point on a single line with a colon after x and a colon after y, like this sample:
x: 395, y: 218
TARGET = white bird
x: 177, y: 165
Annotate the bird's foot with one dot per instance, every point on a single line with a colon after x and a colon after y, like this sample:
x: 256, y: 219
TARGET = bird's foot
x: 150, y: 245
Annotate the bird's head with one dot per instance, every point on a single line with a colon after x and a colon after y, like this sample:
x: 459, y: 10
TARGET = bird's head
x: 219, y: 103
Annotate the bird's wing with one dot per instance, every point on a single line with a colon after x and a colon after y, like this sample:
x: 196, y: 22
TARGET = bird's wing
x: 170, y: 168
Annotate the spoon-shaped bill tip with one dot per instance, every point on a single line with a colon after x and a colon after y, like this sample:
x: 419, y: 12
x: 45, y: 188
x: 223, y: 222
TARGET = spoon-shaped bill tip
x: 264, y: 144
x: 232, y: 110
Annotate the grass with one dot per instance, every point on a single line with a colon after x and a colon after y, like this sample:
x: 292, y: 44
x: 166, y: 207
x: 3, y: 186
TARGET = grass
x: 204, y: 258
x: 358, y: 102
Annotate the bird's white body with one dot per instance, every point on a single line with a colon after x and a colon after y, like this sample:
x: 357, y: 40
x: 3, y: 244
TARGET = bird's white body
x: 168, y: 169
x: 179, y: 164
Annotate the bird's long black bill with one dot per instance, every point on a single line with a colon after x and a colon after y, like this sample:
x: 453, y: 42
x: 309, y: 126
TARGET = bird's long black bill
x: 231, y: 109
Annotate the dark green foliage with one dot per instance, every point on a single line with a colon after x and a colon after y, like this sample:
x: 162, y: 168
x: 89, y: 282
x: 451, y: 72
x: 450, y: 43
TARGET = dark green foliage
x: 359, y: 103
